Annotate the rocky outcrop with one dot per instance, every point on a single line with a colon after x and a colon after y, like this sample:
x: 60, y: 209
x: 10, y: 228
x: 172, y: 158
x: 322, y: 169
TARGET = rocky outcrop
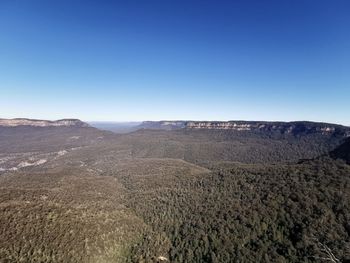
x: 282, y: 127
x: 42, y: 123
x: 220, y: 125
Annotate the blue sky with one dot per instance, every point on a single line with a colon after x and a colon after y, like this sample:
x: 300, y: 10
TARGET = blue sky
x: 153, y: 60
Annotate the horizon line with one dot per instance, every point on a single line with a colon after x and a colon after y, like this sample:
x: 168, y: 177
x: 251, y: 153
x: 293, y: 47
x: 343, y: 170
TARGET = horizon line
x: 175, y: 120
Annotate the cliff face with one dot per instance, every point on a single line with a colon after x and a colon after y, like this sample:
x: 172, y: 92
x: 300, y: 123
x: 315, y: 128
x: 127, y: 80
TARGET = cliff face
x: 282, y: 127
x: 255, y: 126
x: 42, y: 123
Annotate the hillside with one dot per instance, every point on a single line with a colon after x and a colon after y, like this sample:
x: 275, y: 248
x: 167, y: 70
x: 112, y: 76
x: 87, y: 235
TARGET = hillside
x: 342, y: 151
x: 31, y: 145
x: 206, y: 146
x: 79, y: 194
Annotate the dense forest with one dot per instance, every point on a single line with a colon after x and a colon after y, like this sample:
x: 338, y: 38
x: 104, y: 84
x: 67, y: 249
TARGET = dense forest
x: 73, y: 194
x: 205, y: 147
x: 248, y: 213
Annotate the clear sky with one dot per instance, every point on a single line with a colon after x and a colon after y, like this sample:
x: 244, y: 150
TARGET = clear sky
x: 153, y: 60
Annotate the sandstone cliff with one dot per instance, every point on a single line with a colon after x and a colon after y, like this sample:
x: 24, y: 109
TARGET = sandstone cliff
x: 42, y: 123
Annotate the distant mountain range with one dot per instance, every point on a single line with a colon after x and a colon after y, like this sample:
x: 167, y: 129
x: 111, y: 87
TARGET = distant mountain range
x: 265, y: 127
x: 116, y: 127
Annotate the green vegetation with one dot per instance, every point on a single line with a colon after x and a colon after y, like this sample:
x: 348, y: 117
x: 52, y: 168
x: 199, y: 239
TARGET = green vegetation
x: 176, y: 196
x: 205, y: 147
x: 254, y: 213
x: 65, y: 216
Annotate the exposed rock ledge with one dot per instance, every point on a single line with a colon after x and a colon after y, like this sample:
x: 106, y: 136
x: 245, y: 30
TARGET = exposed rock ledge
x: 296, y: 127
x: 284, y: 127
x: 42, y: 123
